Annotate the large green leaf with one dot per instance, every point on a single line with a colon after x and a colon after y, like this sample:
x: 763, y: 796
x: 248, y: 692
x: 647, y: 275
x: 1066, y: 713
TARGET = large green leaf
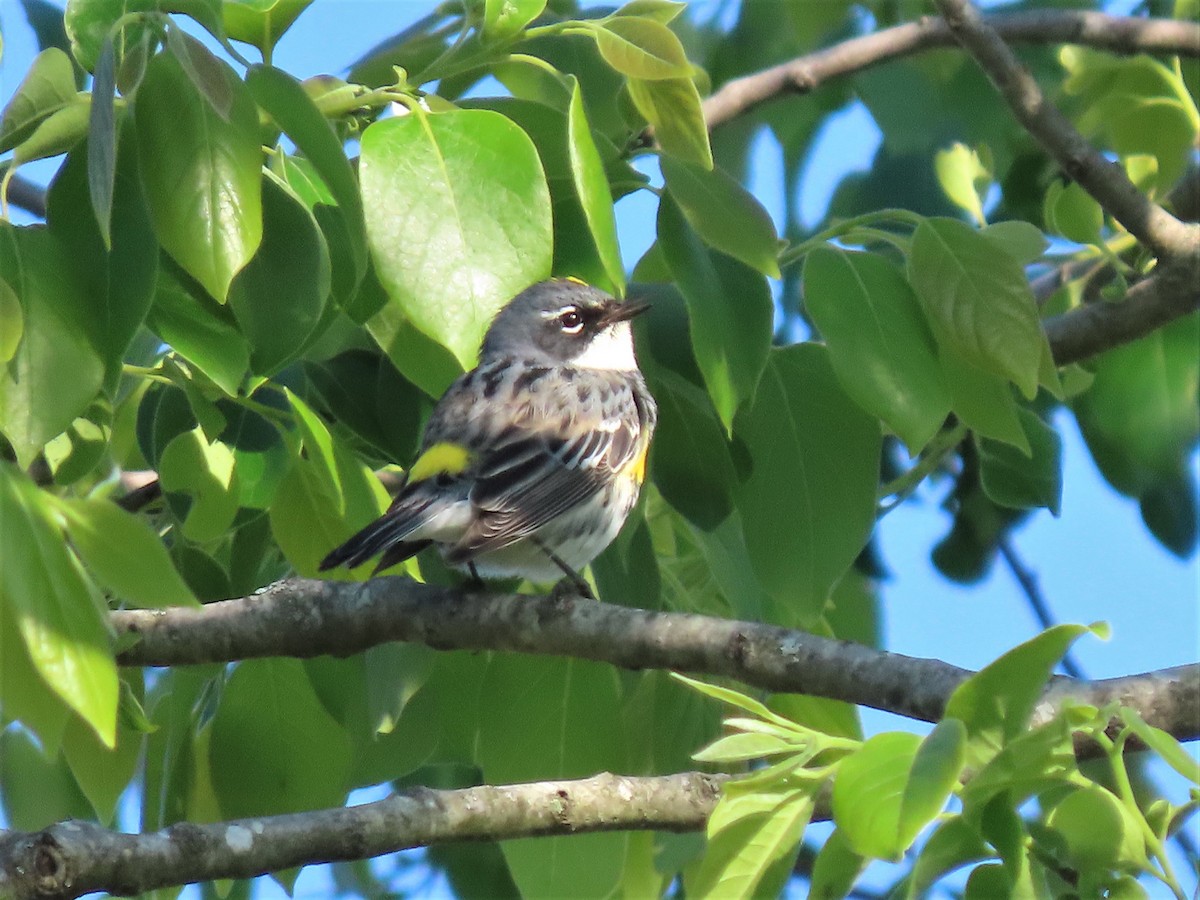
x: 808, y: 504
x: 1021, y: 481
x: 995, y: 703
x: 90, y: 22
x: 38, y: 790
x: 294, y: 111
x: 573, y: 707
x: 204, y: 471
x: 120, y: 277
x: 55, y: 371
x: 1140, y: 417
x: 868, y: 793
x: 48, y: 87
x: 591, y: 185
x: 202, y: 172
x: 879, y: 342
x: 672, y: 106
x: 458, y: 219
x: 260, y: 22
x: 724, y: 214
x: 102, y: 773
x: 274, y: 747
x: 978, y: 300
x: 124, y: 553
x: 279, y: 297
x: 505, y: 18
x: 642, y: 48
x: 729, y: 312
x: 58, y: 612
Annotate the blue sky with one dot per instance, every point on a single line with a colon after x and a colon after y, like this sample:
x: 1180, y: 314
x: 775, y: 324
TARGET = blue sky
x: 1095, y: 562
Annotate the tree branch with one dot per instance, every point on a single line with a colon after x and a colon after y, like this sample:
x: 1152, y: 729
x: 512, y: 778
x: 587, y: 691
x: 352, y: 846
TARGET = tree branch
x: 1106, y: 181
x: 70, y: 859
x: 1118, y: 34
x: 306, y: 618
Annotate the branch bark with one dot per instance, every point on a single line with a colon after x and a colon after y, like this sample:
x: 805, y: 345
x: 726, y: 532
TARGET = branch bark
x: 73, y: 858
x: 1153, y: 226
x: 1118, y: 34
x: 306, y: 618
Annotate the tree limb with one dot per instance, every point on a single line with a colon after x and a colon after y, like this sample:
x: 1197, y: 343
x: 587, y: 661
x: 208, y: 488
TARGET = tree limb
x: 73, y: 858
x: 1153, y: 226
x: 306, y: 618
x: 1118, y: 34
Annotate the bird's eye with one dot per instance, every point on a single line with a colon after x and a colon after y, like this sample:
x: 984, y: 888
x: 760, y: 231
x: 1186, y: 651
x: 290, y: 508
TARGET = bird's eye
x: 571, y: 320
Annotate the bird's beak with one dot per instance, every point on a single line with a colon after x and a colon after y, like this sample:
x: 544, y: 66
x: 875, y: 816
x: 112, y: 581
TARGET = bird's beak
x: 623, y: 312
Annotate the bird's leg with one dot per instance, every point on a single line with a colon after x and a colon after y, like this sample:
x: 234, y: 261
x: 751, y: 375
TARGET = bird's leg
x: 573, y: 580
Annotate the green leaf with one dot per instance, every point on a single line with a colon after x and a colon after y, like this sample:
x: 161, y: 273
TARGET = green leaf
x: 983, y: 400
x: 691, y: 466
x: 995, y: 703
x: 202, y: 172
x: 204, y: 471
x: 836, y: 867
x: 672, y: 107
x: 642, y: 48
x: 38, y: 789
x: 55, y: 134
x: 201, y: 331
x: 808, y: 504
x: 1162, y: 743
x: 978, y: 302
x: 1023, y: 242
x: 279, y: 297
x: 724, y: 214
x: 591, y: 184
x: 12, y: 322
x: 868, y: 791
x: 962, y: 175
x: 24, y: 695
x: 55, y: 373
x: 102, y: 142
x: 1140, y: 416
x: 119, y: 278
x: 952, y: 844
x: 574, y: 706
x: 48, y: 87
x: 729, y: 312
x: 274, y: 747
x: 1099, y: 832
x: 1071, y: 211
x: 260, y: 22
x: 739, y: 859
x: 739, y: 747
x: 286, y: 101
x: 478, y: 231
x: 101, y: 772
x: 879, y: 342
x: 503, y: 19
x: 124, y: 553
x: 58, y: 612
x: 663, y: 11
x: 90, y: 22
x: 1020, y: 481
x: 935, y: 773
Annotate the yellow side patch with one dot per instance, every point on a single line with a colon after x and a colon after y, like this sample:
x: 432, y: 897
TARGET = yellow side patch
x: 440, y: 459
x: 636, y: 469
x: 576, y: 280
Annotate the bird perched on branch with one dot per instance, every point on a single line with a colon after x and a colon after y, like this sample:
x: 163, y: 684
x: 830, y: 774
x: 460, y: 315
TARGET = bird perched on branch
x: 531, y: 461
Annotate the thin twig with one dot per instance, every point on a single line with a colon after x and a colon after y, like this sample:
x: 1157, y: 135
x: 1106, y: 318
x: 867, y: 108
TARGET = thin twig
x: 1118, y: 34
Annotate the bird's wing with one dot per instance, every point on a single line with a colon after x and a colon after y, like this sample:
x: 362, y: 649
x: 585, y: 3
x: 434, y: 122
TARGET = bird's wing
x: 525, y: 483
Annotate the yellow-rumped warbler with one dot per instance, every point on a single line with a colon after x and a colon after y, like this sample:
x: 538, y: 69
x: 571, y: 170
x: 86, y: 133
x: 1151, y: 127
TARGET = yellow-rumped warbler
x: 531, y: 461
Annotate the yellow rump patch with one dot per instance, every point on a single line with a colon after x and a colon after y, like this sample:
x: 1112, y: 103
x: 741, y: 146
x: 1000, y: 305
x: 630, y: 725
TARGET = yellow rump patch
x: 576, y: 280
x: 440, y: 459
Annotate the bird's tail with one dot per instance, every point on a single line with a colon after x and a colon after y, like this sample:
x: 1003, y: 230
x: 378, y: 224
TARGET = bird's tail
x: 385, y: 535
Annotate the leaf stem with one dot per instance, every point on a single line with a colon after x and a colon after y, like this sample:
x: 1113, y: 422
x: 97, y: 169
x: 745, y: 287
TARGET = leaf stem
x: 937, y: 450
x: 797, y: 252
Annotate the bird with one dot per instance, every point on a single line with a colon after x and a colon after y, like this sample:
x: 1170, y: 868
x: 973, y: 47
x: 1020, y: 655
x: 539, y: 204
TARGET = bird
x: 529, y: 463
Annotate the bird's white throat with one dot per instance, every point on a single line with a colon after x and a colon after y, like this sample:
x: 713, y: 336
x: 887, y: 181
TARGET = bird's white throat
x: 610, y: 351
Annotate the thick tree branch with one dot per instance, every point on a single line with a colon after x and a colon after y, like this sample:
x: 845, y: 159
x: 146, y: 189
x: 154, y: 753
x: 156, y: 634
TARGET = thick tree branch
x: 74, y: 858
x: 305, y: 618
x: 1106, y: 181
x: 1117, y: 34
